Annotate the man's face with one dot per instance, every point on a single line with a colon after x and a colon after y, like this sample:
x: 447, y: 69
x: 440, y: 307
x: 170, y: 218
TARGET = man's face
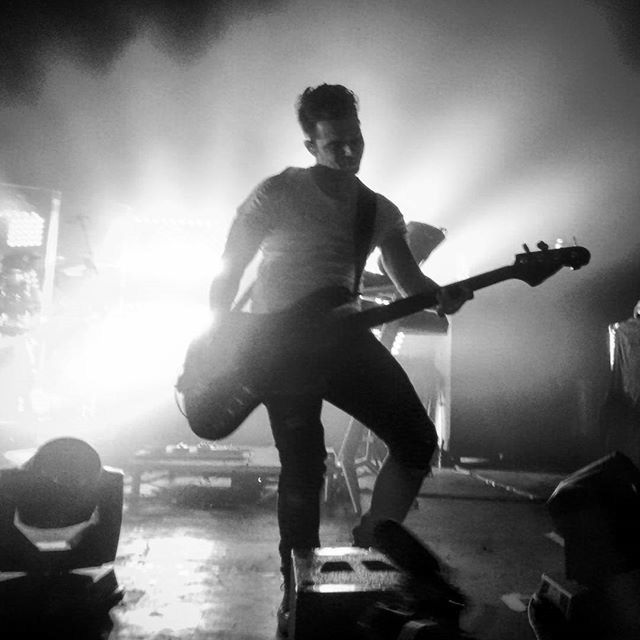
x: 338, y: 144
x: 636, y: 310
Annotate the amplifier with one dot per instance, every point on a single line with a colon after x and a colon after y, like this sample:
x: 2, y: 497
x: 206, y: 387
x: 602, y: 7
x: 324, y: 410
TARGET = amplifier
x: 332, y: 587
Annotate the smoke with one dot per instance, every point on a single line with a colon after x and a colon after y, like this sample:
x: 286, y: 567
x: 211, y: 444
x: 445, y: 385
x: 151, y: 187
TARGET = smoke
x: 505, y: 122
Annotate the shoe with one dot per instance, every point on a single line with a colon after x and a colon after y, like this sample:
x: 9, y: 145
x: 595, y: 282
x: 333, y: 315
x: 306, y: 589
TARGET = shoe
x: 282, y: 615
x: 363, y: 533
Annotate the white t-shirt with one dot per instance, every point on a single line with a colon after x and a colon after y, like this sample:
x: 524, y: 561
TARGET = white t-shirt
x: 308, y: 237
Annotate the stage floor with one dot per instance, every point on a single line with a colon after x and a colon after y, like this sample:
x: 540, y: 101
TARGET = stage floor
x: 198, y: 561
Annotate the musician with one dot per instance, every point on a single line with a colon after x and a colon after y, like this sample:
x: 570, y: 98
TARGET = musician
x: 304, y: 220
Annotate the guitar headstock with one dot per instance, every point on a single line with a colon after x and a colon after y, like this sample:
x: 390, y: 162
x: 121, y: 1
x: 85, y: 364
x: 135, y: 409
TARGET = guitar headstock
x: 534, y: 267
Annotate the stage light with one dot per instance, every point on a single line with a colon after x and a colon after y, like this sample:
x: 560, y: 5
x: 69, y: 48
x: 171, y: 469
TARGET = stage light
x: 171, y: 249
x: 22, y: 228
x: 60, y: 518
x: 596, y: 512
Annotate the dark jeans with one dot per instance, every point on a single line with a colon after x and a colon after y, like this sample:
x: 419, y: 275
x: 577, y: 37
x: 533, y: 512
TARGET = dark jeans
x: 368, y: 383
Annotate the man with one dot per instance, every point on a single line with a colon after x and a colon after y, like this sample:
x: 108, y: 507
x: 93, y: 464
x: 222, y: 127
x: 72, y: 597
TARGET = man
x: 304, y: 221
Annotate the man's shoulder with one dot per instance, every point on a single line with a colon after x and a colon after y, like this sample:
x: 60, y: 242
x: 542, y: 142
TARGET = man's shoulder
x: 389, y: 218
x: 386, y: 206
x: 385, y: 202
x: 273, y: 191
x: 382, y: 201
x: 285, y: 177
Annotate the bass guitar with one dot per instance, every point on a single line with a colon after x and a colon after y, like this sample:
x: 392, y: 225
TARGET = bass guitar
x: 230, y: 369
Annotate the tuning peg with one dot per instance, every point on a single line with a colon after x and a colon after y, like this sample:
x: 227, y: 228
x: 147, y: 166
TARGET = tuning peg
x: 543, y: 246
x: 526, y: 248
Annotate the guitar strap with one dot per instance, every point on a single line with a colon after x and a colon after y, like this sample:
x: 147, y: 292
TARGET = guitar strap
x: 363, y: 231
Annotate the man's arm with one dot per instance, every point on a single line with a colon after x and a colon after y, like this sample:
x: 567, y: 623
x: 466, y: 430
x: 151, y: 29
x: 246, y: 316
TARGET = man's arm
x: 241, y: 246
x: 406, y: 275
x: 224, y: 287
x: 402, y: 268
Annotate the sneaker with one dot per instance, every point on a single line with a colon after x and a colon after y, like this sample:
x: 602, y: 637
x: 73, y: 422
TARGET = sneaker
x: 282, y: 615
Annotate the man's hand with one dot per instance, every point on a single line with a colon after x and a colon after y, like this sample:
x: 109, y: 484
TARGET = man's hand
x: 451, y: 298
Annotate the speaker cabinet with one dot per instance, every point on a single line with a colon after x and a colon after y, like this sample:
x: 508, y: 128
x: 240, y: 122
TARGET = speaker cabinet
x: 332, y: 587
x: 597, y: 512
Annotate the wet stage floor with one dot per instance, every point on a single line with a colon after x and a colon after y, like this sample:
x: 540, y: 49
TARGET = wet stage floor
x: 197, y: 559
x: 200, y: 562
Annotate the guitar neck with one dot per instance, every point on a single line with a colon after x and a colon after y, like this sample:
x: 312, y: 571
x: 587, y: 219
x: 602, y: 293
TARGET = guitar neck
x: 406, y: 306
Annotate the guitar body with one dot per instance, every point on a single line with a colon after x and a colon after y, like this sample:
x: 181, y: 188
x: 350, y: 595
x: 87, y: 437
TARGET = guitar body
x: 216, y: 383
x: 218, y: 409
x: 230, y: 369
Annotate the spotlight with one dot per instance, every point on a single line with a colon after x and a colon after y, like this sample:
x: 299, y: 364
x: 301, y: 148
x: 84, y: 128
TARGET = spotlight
x: 60, y: 518
x: 596, y: 510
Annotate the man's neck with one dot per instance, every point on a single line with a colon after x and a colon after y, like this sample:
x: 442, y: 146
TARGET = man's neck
x: 334, y: 182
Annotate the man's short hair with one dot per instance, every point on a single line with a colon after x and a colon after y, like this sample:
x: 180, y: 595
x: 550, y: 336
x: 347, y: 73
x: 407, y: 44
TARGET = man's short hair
x: 325, y: 102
